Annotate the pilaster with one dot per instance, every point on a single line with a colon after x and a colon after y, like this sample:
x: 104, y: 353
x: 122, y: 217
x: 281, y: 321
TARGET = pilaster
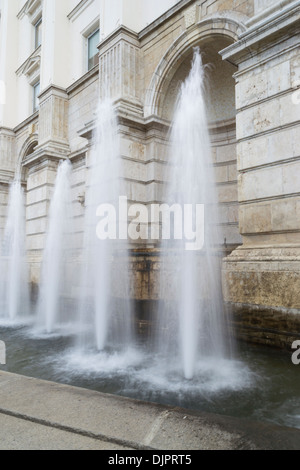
x: 53, y: 121
x: 7, y: 155
x: 41, y: 168
x: 121, y: 71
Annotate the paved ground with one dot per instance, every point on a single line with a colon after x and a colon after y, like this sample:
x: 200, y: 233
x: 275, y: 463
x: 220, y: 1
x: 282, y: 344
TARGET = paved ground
x: 36, y: 414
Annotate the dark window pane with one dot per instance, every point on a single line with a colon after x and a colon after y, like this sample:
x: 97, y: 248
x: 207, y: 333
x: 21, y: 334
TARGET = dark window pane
x: 36, y: 92
x: 93, y: 42
x: 38, y: 33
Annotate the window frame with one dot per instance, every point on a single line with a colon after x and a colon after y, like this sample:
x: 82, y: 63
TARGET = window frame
x: 36, y: 33
x: 97, y: 30
x: 35, y: 104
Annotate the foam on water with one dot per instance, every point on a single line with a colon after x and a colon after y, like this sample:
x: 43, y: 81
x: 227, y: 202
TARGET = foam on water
x: 101, y: 364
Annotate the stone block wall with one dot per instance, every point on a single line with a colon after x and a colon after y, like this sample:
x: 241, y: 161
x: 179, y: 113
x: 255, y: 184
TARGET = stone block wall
x: 262, y: 277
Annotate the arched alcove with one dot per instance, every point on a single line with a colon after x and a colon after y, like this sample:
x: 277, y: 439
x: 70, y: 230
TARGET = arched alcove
x: 219, y: 82
x: 31, y: 147
x: 211, y: 36
x: 27, y: 149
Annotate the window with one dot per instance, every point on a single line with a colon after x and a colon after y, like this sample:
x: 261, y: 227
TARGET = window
x: 36, y: 92
x: 93, y: 41
x: 38, y: 33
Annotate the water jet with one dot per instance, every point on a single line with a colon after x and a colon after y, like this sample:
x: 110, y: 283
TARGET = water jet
x: 14, y: 289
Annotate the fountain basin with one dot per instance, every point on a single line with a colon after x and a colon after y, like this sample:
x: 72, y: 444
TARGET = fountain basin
x: 262, y: 385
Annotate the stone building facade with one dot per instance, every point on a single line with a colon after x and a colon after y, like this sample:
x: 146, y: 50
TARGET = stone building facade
x: 52, y: 86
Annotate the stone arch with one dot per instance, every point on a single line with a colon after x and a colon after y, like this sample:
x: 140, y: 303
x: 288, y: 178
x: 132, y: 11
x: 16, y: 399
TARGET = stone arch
x: 27, y: 149
x: 212, y: 35
x: 227, y: 27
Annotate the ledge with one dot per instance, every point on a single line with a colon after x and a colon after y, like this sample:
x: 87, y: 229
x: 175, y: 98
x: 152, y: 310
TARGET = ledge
x: 271, y: 30
x: 52, y: 89
x: 119, y: 31
x: 52, y: 150
x: 31, y: 63
x: 84, y: 78
x: 83, y: 4
x: 63, y: 417
x: 27, y: 121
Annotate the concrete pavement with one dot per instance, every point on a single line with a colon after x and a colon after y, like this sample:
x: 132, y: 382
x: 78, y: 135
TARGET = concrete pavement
x: 35, y: 414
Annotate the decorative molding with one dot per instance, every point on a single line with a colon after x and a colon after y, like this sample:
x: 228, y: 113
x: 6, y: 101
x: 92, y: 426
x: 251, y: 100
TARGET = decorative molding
x: 80, y: 7
x: 33, y: 119
x: 50, y: 151
x: 31, y: 65
x: 53, y: 89
x: 91, y: 27
x: 32, y: 8
x: 82, y: 81
x: 205, y: 7
x: 275, y: 8
x: 78, y: 155
x: 42, y: 163
x: 28, y: 143
x: 6, y: 177
x: 120, y: 31
x: 87, y: 131
x: 7, y: 131
x: 131, y: 117
x: 272, y: 30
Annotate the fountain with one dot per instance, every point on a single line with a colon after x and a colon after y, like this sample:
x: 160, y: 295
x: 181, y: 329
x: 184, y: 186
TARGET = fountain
x: 191, y: 364
x: 105, y: 319
x: 14, y: 279
x: 193, y: 326
x: 55, y: 277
